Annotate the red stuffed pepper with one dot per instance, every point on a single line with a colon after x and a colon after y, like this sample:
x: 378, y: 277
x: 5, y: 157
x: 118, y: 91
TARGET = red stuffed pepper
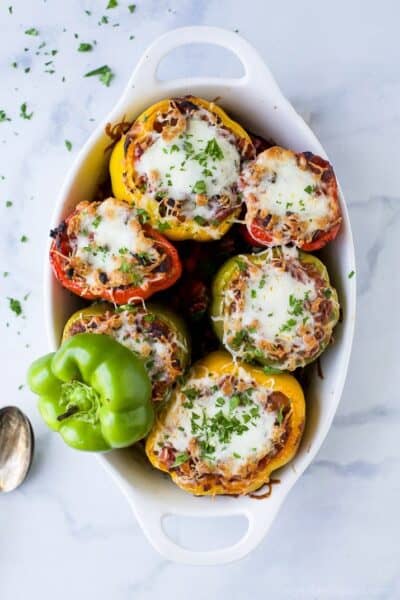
x: 290, y: 199
x: 103, y: 250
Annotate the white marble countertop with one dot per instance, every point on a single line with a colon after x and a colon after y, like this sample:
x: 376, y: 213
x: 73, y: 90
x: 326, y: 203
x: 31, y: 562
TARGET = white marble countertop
x: 68, y: 532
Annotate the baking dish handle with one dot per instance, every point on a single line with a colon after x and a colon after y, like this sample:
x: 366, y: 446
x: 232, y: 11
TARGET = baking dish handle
x: 145, y: 73
x: 151, y: 520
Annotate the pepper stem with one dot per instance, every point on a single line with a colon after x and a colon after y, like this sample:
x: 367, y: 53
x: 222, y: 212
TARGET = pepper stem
x: 68, y: 413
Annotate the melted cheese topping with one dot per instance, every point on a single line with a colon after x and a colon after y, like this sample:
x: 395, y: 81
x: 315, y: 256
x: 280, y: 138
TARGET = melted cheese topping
x: 201, y: 161
x: 157, y: 354
x: 108, y: 239
x: 272, y: 318
x: 269, y: 304
x: 229, y: 429
x: 275, y: 185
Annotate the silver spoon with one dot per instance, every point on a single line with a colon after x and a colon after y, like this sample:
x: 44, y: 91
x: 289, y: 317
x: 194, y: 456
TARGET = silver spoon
x: 16, y: 447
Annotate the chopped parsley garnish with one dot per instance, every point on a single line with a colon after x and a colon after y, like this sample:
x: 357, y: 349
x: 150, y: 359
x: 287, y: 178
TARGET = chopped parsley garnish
x: 296, y: 305
x: 310, y: 189
x: 200, y: 220
x: 190, y: 393
x: 239, y: 337
x: 105, y: 74
x: 3, y: 116
x: 23, y: 112
x: 96, y: 221
x: 32, y: 31
x: 85, y: 47
x: 241, y: 264
x: 15, y: 306
x: 143, y: 215
x: 288, y: 325
x: 328, y: 293
x: 214, y: 150
x: 351, y: 274
x: 68, y: 145
x: 180, y: 459
x: 163, y: 225
x: 199, y: 187
x: 253, y: 294
x: 279, y: 416
x: 234, y: 402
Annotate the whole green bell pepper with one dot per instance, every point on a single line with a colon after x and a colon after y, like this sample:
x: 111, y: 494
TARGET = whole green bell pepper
x: 94, y: 392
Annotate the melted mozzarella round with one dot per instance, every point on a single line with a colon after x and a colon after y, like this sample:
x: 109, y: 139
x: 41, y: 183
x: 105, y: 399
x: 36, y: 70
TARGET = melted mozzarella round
x: 270, y: 300
x: 184, y: 168
x: 109, y: 233
x: 276, y: 185
x: 252, y: 444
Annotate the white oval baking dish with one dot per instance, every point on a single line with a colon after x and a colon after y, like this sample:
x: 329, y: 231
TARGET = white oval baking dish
x: 258, y: 104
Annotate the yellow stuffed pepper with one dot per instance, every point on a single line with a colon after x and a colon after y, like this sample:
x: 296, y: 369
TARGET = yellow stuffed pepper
x: 227, y: 427
x: 179, y: 164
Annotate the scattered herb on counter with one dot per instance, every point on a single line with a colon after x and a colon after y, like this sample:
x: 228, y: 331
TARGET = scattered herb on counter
x: 88, y: 12
x: 6, y: 273
x: 32, y: 31
x: 105, y: 74
x: 68, y: 145
x: 132, y: 8
x: 27, y: 69
x: 112, y: 4
x: 24, y: 114
x: 15, y: 306
x: 103, y: 19
x: 351, y: 274
x: 24, y: 239
x: 3, y: 116
x: 85, y: 47
x: 10, y: 9
x: 21, y: 385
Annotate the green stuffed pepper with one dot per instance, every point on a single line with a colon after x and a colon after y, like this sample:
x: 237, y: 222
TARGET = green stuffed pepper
x: 154, y: 333
x: 276, y: 308
x: 94, y: 392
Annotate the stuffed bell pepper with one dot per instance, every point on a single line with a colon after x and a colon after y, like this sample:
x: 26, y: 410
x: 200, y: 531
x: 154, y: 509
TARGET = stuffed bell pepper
x: 94, y: 392
x: 290, y: 199
x: 276, y: 307
x: 154, y: 333
x: 103, y: 251
x: 227, y: 428
x: 180, y: 162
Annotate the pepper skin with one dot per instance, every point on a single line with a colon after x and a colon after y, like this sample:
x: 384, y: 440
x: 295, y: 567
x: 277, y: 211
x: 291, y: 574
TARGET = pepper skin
x: 94, y: 392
